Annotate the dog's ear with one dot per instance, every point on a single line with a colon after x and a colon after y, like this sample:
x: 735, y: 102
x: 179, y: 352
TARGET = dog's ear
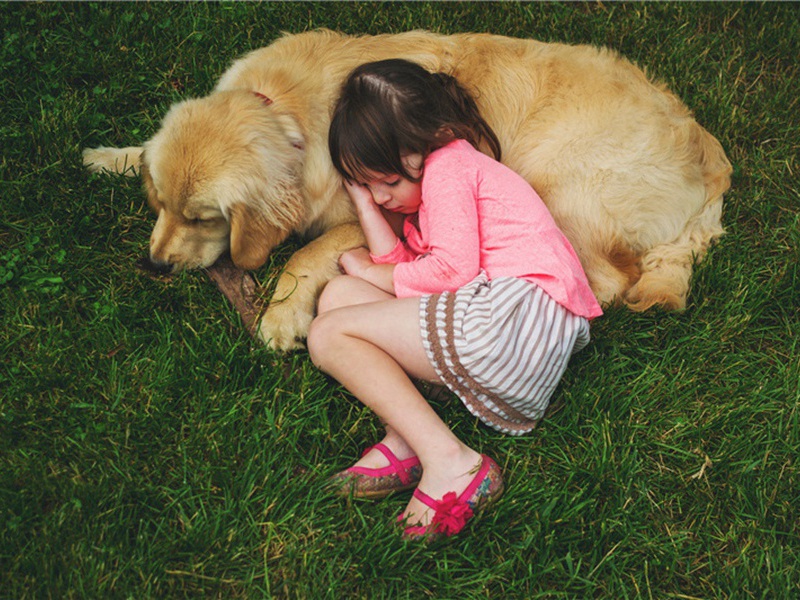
x: 149, y: 186
x: 252, y: 237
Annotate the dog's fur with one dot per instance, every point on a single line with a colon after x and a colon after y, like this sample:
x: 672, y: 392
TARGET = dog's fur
x: 632, y: 179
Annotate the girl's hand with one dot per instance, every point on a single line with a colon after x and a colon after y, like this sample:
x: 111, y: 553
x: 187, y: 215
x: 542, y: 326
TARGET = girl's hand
x: 381, y: 236
x: 361, y: 196
x: 355, y: 262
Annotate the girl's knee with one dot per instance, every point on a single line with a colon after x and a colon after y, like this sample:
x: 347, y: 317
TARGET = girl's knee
x: 335, y: 294
x: 321, y: 335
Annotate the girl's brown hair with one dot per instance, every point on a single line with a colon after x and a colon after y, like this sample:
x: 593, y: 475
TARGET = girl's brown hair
x: 392, y: 108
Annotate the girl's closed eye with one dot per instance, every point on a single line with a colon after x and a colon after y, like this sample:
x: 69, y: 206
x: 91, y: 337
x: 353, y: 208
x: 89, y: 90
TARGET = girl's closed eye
x: 389, y: 182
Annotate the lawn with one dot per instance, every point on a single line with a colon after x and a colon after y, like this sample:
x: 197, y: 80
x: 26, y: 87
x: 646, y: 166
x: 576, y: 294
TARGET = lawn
x: 150, y: 449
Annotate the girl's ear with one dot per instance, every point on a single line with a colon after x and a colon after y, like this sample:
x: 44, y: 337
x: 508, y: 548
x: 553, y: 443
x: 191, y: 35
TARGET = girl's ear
x: 413, y: 164
x: 445, y: 135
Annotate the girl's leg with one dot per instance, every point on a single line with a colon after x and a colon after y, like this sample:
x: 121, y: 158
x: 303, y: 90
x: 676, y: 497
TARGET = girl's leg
x: 346, y: 290
x: 373, y: 349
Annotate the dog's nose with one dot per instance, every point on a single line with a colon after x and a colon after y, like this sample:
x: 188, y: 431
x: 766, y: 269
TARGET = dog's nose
x: 156, y: 266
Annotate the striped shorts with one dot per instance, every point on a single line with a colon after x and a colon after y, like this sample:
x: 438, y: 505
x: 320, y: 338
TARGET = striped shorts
x: 501, y: 346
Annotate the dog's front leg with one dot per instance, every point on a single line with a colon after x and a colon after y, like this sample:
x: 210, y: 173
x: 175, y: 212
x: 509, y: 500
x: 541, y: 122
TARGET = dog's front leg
x: 123, y: 161
x: 286, y: 321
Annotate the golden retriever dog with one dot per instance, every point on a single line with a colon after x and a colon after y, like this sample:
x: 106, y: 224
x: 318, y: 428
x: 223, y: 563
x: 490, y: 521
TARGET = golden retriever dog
x: 633, y: 180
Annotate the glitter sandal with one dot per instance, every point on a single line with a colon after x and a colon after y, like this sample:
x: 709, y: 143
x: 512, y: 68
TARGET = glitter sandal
x: 364, y: 482
x: 452, y: 512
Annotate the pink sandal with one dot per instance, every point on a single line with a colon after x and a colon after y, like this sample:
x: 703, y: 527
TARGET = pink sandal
x: 452, y: 512
x: 363, y: 482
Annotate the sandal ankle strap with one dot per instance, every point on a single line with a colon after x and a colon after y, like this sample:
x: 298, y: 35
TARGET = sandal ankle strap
x: 398, y: 465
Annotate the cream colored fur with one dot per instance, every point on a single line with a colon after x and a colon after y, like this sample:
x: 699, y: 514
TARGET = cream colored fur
x: 634, y: 181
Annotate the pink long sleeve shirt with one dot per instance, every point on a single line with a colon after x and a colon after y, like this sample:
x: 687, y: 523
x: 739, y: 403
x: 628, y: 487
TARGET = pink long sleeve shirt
x: 477, y: 214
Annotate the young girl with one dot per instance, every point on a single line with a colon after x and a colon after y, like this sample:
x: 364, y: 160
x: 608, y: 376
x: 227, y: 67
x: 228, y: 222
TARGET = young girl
x: 480, y: 291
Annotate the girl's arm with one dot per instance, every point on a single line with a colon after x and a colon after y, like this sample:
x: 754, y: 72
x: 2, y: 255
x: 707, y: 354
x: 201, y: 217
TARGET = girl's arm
x: 381, y: 231
x: 358, y: 263
x: 381, y: 237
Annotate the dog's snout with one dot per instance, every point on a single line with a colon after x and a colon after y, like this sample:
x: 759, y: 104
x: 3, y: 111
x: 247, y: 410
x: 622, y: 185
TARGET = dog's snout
x: 156, y: 267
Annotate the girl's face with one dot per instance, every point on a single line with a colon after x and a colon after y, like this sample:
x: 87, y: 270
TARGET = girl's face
x: 396, y: 193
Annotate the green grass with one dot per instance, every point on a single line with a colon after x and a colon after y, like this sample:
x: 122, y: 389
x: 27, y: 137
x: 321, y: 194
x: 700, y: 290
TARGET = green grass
x: 149, y: 449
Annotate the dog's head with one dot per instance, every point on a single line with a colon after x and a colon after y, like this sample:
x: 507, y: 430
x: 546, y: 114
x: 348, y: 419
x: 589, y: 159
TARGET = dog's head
x: 223, y: 172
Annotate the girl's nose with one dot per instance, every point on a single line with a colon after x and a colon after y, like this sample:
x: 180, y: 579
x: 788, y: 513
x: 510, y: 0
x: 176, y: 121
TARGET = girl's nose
x: 381, y: 196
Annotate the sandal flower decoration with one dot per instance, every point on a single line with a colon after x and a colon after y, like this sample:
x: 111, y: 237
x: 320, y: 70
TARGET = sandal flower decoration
x: 450, y: 514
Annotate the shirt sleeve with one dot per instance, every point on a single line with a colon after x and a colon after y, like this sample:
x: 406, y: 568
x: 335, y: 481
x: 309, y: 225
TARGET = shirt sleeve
x: 400, y: 253
x: 448, y: 221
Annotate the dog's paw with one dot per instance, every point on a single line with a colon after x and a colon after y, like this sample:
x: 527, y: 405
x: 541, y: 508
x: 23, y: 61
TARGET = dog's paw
x: 284, y: 327
x: 665, y: 286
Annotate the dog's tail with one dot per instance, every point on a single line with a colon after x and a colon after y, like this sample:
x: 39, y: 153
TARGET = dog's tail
x: 122, y: 161
x: 667, y: 268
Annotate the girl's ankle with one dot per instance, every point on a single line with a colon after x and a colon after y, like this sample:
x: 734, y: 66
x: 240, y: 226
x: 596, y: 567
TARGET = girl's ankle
x: 454, y: 465
x: 398, y: 446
